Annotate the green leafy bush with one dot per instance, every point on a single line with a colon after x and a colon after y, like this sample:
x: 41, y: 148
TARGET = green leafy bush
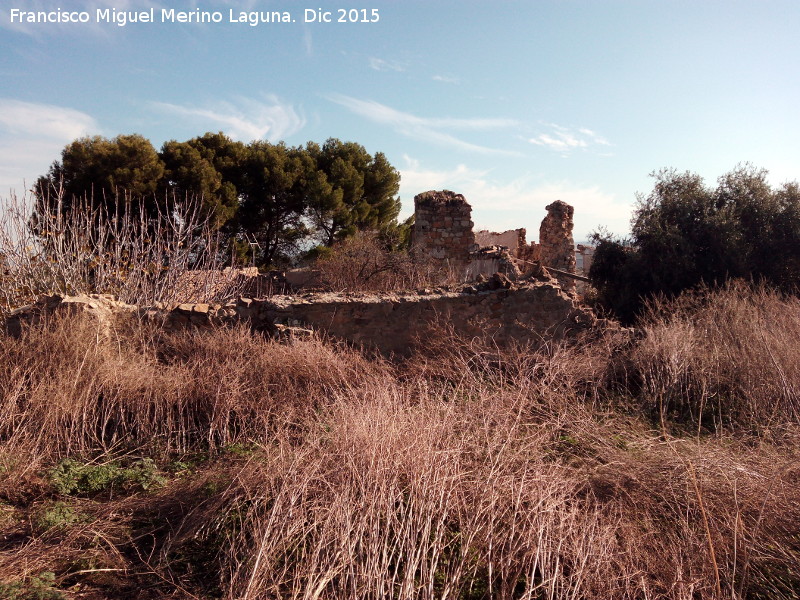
x: 684, y: 233
x: 56, y: 516
x: 70, y: 477
x: 37, y: 588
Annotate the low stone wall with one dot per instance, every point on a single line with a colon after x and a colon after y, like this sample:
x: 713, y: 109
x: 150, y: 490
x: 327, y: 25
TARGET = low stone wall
x: 392, y: 322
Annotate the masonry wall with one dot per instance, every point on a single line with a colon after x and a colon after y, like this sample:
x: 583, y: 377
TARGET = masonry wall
x: 512, y: 239
x: 391, y: 323
x: 443, y: 227
x: 557, y: 246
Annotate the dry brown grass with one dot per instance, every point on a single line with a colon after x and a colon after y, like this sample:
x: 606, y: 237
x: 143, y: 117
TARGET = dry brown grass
x: 723, y: 359
x: 468, y: 472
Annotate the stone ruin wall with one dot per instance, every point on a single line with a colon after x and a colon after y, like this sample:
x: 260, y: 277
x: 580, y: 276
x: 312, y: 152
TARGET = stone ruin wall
x: 443, y: 227
x: 557, y: 246
x: 555, y: 237
x: 514, y: 239
x: 390, y: 322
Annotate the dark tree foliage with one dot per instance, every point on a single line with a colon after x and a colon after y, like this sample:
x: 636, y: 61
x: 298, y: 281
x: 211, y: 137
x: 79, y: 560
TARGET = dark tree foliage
x: 283, y: 198
x: 351, y: 191
x: 102, y: 169
x: 189, y: 171
x: 684, y: 233
x: 272, y: 199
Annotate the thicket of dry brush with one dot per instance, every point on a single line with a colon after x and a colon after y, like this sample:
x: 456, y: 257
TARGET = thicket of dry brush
x: 89, y: 249
x: 664, y: 468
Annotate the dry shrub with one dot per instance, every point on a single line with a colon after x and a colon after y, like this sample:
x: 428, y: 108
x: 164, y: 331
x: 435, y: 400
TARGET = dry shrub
x: 365, y: 263
x: 409, y: 498
x: 413, y: 490
x: 561, y: 373
x: 66, y: 388
x: 723, y: 358
x: 87, y: 249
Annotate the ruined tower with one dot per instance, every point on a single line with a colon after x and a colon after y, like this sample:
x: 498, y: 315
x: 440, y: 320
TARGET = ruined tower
x: 443, y: 227
x: 557, y: 247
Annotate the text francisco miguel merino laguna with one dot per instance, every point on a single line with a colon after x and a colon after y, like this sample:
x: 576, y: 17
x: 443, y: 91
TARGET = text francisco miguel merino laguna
x: 170, y: 15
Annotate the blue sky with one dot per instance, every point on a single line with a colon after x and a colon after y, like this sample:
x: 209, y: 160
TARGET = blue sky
x: 513, y: 104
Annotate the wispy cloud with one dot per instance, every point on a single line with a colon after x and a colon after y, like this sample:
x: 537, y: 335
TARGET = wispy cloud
x: 45, y: 121
x: 509, y: 204
x: 564, y: 139
x: 414, y: 179
x: 425, y: 129
x: 32, y: 136
x: 246, y: 119
x: 379, y: 64
x: 446, y: 79
x: 308, y: 41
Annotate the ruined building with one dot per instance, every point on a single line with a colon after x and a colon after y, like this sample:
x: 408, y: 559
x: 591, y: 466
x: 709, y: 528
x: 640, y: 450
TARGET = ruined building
x: 518, y: 301
x: 443, y: 231
x: 513, y: 239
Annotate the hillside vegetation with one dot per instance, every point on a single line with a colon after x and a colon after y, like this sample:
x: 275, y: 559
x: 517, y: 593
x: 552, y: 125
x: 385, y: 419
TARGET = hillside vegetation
x: 225, y: 465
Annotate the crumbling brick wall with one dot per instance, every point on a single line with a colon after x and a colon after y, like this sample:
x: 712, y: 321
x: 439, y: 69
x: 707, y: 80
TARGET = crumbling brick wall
x: 509, y: 313
x: 443, y: 227
x: 557, y: 246
x: 513, y: 239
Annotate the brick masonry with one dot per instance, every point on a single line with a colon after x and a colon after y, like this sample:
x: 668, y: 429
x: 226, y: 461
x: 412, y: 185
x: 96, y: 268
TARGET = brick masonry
x: 443, y: 227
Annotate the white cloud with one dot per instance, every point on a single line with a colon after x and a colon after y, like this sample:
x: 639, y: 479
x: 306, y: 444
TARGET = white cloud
x: 414, y: 179
x: 32, y: 136
x: 46, y: 121
x: 563, y: 139
x: 245, y: 120
x: 308, y: 41
x: 425, y: 129
x: 379, y: 64
x: 501, y: 205
x: 446, y: 79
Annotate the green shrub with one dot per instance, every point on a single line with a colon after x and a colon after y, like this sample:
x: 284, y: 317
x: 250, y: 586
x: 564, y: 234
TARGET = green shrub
x: 39, y: 587
x: 70, y: 477
x: 56, y: 516
x: 684, y: 233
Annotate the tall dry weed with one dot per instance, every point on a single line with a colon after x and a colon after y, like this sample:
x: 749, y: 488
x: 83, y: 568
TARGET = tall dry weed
x: 140, y: 259
x: 68, y: 387
x: 723, y: 358
x: 365, y: 263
